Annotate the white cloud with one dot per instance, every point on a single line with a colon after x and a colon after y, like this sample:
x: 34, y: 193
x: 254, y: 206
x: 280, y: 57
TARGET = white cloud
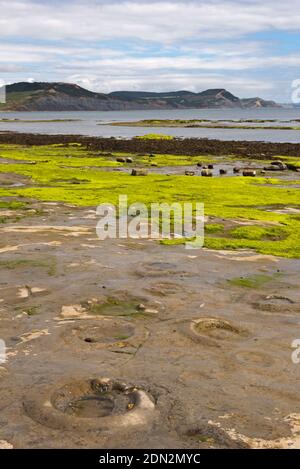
x: 169, y: 82
x: 34, y: 53
x: 157, y: 45
x: 10, y: 68
x: 133, y: 65
x: 164, y: 21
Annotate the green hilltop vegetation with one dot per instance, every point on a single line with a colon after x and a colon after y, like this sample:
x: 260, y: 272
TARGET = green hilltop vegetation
x: 57, y: 96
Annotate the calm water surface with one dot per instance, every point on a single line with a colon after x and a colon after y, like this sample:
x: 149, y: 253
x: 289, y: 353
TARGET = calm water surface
x: 88, y: 123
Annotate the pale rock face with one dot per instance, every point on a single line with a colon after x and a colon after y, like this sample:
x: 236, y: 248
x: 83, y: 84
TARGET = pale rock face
x: 5, y: 445
x: 72, y: 311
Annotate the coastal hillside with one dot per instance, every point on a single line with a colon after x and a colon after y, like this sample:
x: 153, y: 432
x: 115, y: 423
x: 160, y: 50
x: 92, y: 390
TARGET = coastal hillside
x: 26, y: 96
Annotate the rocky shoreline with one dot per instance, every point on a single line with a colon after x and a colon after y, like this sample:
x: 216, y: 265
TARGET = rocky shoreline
x: 176, y: 146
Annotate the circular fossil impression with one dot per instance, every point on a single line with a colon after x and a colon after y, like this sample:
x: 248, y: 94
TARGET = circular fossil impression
x: 276, y: 304
x: 105, y: 333
x: 165, y: 288
x: 119, y: 304
x: 210, y: 331
x: 158, y: 269
x: 211, y: 435
x: 255, y: 358
x: 93, y: 404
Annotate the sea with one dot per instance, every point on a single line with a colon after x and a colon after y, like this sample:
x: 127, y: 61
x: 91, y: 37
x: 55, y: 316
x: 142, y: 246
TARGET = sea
x: 97, y: 123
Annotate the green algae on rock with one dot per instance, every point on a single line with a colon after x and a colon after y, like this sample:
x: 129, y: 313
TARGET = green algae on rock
x: 56, y: 167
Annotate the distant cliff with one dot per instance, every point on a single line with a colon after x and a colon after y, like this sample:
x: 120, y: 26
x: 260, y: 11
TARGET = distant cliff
x: 70, y: 97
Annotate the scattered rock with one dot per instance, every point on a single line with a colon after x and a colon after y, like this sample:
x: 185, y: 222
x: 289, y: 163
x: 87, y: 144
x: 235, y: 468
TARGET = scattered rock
x: 129, y: 160
x: 189, y: 173
x: 236, y: 169
x: 38, y: 291
x: 199, y: 164
x: 206, y: 172
x: 249, y: 173
x: 223, y: 171
x: 139, y: 172
x: 3, y: 371
x: 28, y: 336
x: 276, y: 166
x: 72, y: 311
x: 121, y: 159
x: 210, y: 166
x: 272, y: 168
x: 151, y: 311
x: 24, y: 292
x: 76, y: 181
x: 278, y: 163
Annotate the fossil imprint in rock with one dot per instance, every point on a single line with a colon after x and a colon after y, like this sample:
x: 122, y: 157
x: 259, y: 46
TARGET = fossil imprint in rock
x: 105, y: 333
x: 102, y: 404
x: 211, y: 331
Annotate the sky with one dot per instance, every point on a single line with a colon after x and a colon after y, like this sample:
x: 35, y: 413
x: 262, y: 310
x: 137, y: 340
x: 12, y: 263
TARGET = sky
x: 250, y: 47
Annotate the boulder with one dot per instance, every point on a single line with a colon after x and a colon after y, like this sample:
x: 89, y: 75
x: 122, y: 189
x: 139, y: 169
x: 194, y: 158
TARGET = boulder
x: 139, y: 172
x: 236, y: 169
x: 223, y: 171
x: 277, y: 165
x: 272, y: 167
x: 189, y: 173
x: 199, y: 164
x: 249, y: 172
x: 129, y: 160
x: 210, y: 166
x: 206, y: 172
x: 120, y: 159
